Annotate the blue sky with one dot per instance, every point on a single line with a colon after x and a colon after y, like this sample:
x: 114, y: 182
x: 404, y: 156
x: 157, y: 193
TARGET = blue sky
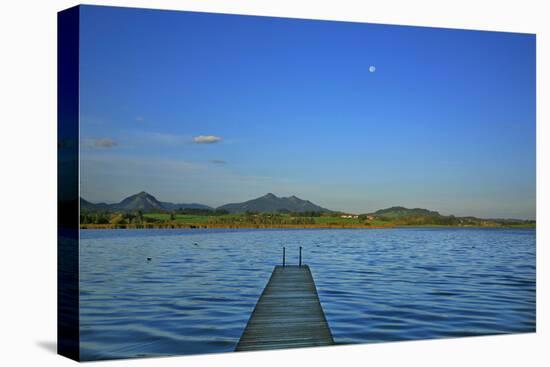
x: 213, y: 108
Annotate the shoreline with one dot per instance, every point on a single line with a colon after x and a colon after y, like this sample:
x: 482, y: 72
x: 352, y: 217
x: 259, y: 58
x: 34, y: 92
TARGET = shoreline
x: 284, y: 226
x: 201, y: 226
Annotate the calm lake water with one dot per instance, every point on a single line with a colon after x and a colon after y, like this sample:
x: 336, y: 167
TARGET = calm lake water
x: 197, y: 292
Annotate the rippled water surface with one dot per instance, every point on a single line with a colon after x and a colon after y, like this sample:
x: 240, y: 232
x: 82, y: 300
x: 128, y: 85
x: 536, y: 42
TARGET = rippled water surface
x: 196, y: 293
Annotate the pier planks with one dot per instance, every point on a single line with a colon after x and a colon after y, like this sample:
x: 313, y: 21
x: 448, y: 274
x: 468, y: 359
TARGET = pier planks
x: 288, y: 313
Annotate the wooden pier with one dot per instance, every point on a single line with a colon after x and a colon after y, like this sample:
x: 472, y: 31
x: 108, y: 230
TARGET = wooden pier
x: 288, y: 313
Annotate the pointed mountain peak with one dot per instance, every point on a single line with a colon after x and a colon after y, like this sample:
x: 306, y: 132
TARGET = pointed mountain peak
x: 141, y: 201
x: 270, y: 196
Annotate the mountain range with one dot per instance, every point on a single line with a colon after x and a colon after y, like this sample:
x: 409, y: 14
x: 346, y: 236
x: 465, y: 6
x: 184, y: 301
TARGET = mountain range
x: 148, y: 203
x: 268, y: 203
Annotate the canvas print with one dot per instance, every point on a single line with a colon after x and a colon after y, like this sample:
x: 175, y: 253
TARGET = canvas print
x: 243, y: 183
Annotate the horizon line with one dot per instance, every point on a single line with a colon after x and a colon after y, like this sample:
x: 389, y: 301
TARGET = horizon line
x: 283, y: 197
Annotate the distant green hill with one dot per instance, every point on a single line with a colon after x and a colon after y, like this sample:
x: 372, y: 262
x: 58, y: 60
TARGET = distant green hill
x: 401, y: 216
x: 399, y: 212
x: 270, y: 203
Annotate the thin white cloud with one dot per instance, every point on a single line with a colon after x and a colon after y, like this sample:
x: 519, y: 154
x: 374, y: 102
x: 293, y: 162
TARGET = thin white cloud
x: 105, y: 143
x: 218, y: 161
x: 206, y: 139
x: 98, y: 143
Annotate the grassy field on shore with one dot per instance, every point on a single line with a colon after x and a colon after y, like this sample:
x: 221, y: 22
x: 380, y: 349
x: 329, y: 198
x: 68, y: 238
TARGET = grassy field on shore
x: 167, y: 220
x: 201, y: 219
x: 267, y: 220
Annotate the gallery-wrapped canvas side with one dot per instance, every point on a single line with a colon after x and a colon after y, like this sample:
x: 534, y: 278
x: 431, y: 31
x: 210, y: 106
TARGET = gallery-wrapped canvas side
x: 67, y: 186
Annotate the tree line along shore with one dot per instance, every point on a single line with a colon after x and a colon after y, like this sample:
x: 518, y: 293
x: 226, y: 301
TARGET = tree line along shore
x: 203, y: 218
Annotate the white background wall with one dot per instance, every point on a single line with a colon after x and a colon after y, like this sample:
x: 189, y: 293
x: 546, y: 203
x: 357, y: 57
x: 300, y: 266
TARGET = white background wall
x: 28, y: 181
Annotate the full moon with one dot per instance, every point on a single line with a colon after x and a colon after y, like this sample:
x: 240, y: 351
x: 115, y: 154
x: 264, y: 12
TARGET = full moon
x: 372, y: 68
